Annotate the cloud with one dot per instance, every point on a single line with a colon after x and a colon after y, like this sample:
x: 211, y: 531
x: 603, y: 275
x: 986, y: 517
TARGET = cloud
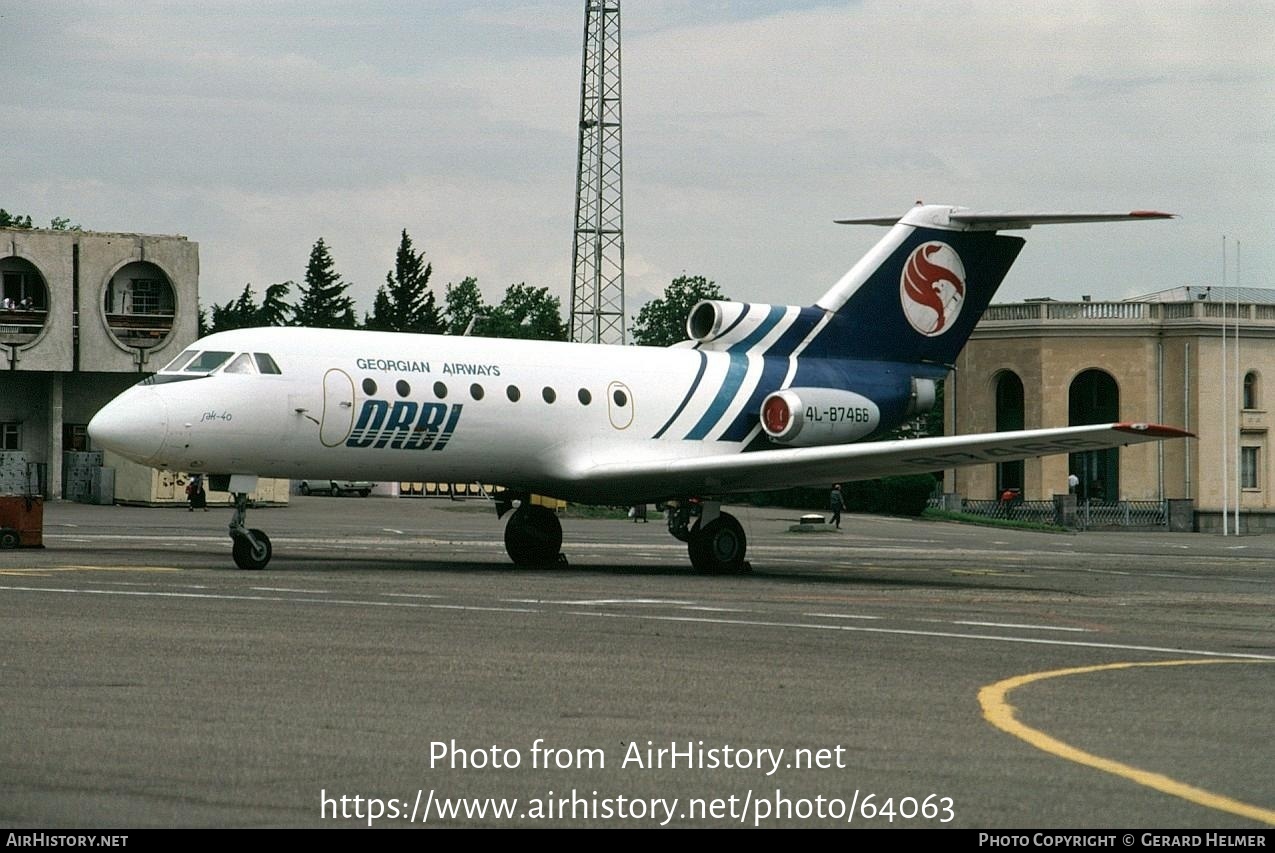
x: 257, y: 128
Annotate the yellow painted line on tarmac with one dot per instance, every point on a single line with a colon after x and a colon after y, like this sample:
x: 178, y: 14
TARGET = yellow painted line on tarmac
x: 998, y: 712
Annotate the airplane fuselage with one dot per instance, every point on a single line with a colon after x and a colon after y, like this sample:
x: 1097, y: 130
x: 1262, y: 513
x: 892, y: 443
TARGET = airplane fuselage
x: 386, y: 406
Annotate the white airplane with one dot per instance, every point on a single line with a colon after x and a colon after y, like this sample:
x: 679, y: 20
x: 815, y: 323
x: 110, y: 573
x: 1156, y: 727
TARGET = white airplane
x: 761, y: 397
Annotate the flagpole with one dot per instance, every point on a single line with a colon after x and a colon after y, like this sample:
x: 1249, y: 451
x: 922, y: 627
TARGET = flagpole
x: 1225, y: 433
x: 1239, y: 396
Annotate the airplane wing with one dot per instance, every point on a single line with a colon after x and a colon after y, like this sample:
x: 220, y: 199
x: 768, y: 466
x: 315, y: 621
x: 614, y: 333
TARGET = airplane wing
x: 786, y: 467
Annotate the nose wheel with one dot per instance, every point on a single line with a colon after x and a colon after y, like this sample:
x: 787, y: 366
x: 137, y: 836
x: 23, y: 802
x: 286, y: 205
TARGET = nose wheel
x: 251, y: 550
x: 249, y: 546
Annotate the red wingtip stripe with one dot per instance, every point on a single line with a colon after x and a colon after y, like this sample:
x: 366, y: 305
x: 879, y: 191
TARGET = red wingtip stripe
x: 1152, y: 214
x: 1156, y: 430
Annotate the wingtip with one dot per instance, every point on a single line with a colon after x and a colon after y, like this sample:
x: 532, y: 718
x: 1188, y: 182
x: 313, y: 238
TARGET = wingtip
x: 1155, y: 430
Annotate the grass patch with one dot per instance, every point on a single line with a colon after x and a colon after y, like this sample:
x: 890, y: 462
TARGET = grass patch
x: 586, y: 511
x: 932, y: 514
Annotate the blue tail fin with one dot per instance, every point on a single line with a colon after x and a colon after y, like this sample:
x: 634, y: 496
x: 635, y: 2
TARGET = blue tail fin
x: 917, y: 295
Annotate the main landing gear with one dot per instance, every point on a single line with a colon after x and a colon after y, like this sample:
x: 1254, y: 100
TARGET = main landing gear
x: 251, y: 547
x: 533, y: 534
x: 715, y: 540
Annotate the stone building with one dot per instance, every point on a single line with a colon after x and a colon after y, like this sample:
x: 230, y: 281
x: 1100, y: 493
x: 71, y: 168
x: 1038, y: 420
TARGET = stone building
x: 1157, y: 358
x: 82, y: 315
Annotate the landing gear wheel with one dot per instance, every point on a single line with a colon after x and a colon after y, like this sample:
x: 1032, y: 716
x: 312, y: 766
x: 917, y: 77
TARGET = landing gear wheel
x: 533, y: 535
x: 253, y: 553
x: 718, y: 548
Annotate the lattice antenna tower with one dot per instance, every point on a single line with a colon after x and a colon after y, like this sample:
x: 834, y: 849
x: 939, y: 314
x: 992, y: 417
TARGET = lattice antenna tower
x: 597, y: 284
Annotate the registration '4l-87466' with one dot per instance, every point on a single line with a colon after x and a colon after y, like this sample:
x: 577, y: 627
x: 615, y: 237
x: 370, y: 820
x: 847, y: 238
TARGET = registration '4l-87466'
x: 838, y: 414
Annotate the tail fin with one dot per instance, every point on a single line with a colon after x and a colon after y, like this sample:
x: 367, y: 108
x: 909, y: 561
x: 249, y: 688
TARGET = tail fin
x: 918, y: 293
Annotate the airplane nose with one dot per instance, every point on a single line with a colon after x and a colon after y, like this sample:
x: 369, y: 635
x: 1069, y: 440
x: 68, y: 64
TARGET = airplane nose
x: 134, y: 424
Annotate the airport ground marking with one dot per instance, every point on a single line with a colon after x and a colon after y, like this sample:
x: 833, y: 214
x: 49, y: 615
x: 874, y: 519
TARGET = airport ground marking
x: 910, y: 632
x: 49, y: 571
x: 998, y: 712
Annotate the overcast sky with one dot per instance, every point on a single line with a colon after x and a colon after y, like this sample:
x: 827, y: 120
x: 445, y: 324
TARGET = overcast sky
x: 255, y: 128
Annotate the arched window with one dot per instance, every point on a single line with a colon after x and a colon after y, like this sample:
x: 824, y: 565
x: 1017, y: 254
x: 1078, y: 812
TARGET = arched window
x: 1009, y: 416
x: 1094, y: 398
x: 1252, y: 399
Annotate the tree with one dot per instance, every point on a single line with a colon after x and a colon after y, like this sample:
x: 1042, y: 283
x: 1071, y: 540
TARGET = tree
x: 13, y: 220
x: 526, y: 312
x: 61, y: 223
x: 244, y: 312
x: 662, y: 322
x: 464, y: 302
x: 324, y: 304
x: 405, y: 303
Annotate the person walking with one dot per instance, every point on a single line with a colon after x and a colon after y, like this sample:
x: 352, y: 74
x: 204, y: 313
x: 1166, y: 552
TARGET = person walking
x: 837, y: 503
x: 198, y: 498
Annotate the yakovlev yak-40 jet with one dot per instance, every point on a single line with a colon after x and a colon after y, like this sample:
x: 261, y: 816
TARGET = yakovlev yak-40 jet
x: 761, y: 397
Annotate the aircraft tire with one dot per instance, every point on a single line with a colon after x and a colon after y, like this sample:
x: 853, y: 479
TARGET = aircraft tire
x: 9, y: 538
x: 719, y: 547
x: 250, y: 556
x: 533, y: 535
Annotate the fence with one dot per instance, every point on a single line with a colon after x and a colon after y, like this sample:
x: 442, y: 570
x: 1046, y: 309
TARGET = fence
x: 1091, y: 515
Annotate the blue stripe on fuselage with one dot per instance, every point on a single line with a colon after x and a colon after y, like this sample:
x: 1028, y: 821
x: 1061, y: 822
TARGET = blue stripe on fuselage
x: 772, y: 374
x: 735, y: 374
x: 703, y: 364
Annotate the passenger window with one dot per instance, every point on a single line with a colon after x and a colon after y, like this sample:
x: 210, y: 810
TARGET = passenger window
x: 440, y: 390
x: 241, y: 364
x: 207, y: 362
x: 180, y: 361
x: 549, y: 394
x: 585, y: 397
x: 266, y: 364
x: 476, y: 391
x: 513, y: 393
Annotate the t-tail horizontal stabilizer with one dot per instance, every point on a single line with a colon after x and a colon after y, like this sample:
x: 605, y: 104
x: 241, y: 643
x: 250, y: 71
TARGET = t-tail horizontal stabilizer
x: 964, y: 219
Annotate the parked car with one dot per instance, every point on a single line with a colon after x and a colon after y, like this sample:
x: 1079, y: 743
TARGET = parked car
x: 336, y: 488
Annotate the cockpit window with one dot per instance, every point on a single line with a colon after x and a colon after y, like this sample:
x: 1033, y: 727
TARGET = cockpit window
x: 206, y: 362
x: 180, y: 361
x: 241, y: 364
x: 265, y: 363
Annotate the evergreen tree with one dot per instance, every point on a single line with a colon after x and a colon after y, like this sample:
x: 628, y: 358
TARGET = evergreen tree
x: 405, y: 303
x: 662, y: 322
x: 323, y: 303
x: 244, y: 312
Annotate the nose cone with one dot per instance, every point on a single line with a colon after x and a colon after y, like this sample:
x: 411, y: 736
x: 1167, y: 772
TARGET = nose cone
x: 134, y: 424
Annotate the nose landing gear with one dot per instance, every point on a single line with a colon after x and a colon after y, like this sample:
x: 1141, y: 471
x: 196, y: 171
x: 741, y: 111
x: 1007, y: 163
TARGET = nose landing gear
x: 250, y: 547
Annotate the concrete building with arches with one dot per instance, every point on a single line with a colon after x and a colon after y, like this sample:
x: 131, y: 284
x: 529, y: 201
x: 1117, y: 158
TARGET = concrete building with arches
x: 1158, y: 358
x: 83, y: 315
